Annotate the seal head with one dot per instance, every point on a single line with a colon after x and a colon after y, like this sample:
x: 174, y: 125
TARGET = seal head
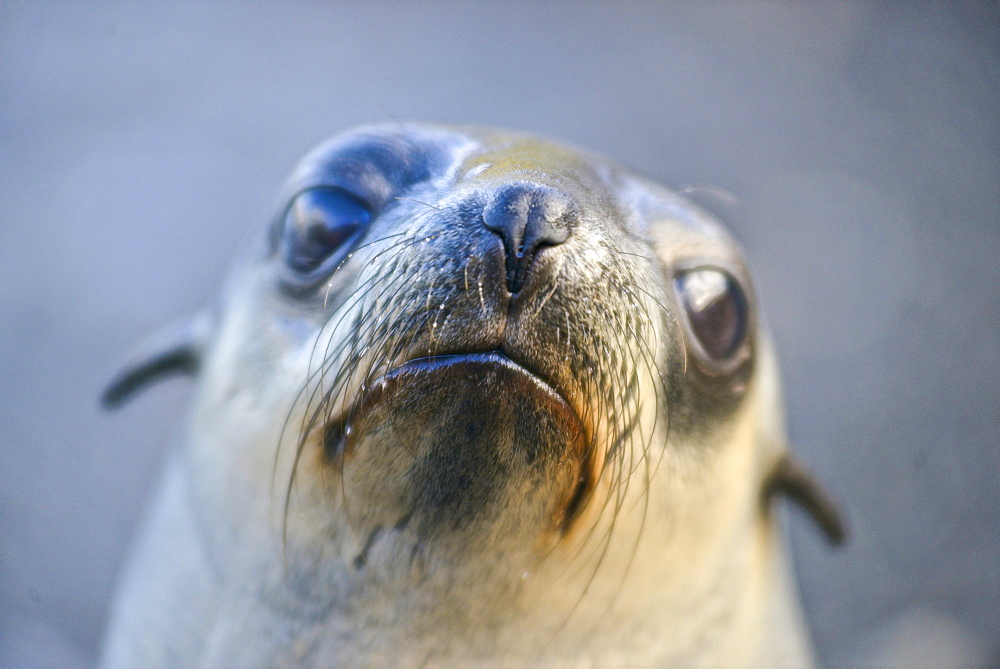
x: 475, y: 397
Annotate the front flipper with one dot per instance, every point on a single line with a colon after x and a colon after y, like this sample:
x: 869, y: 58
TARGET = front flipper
x: 175, y: 349
x: 791, y: 479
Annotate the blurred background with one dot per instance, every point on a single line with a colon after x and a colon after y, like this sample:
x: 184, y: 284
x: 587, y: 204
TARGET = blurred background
x: 142, y: 143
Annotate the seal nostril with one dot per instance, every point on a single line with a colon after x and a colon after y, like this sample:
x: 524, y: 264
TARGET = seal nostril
x: 527, y: 217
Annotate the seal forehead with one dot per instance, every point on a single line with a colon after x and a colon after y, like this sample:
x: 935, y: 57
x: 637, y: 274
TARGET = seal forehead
x: 522, y: 157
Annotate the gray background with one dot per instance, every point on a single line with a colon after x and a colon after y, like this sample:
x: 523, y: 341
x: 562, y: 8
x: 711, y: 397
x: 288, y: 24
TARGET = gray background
x: 141, y: 143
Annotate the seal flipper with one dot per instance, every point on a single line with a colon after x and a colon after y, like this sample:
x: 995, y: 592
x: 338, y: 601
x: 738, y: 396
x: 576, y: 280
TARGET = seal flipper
x: 790, y: 478
x: 175, y: 349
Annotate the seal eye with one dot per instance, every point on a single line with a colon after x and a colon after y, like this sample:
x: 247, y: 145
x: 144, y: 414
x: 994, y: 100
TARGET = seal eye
x: 318, y: 223
x: 716, y: 310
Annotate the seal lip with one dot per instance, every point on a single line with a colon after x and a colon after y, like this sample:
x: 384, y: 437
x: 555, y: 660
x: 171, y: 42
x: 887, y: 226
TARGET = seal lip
x: 485, y: 358
x: 373, y: 392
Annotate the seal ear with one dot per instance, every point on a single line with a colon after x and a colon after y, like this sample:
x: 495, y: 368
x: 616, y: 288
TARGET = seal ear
x: 175, y: 349
x: 790, y: 478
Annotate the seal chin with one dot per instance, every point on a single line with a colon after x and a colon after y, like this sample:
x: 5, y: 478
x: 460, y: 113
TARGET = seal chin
x: 456, y: 441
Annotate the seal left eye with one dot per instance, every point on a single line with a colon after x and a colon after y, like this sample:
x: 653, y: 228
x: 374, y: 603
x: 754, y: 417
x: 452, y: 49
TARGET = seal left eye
x: 318, y: 223
x: 716, y: 311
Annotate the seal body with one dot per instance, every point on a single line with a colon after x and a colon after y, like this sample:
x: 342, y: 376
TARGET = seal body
x: 475, y: 397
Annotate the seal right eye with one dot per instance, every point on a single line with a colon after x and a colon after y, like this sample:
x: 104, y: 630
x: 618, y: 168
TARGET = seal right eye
x: 318, y: 226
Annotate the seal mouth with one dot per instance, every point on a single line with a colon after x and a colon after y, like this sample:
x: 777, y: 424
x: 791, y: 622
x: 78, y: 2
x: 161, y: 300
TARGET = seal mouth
x: 503, y: 410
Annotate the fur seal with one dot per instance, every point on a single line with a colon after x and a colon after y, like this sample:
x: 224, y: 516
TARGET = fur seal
x: 478, y: 398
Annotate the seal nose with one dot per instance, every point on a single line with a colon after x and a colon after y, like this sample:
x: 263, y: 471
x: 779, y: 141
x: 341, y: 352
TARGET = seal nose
x: 528, y: 217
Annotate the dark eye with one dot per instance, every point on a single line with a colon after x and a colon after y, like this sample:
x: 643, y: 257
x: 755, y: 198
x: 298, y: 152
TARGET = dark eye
x: 319, y: 223
x: 716, y: 310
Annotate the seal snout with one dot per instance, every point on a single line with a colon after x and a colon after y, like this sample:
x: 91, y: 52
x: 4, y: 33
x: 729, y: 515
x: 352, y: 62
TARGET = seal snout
x: 528, y: 217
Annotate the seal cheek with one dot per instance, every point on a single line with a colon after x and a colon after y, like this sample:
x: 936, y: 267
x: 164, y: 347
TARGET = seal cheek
x: 463, y: 443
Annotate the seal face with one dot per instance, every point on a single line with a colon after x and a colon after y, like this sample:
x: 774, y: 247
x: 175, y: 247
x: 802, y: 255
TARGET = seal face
x: 477, y: 397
